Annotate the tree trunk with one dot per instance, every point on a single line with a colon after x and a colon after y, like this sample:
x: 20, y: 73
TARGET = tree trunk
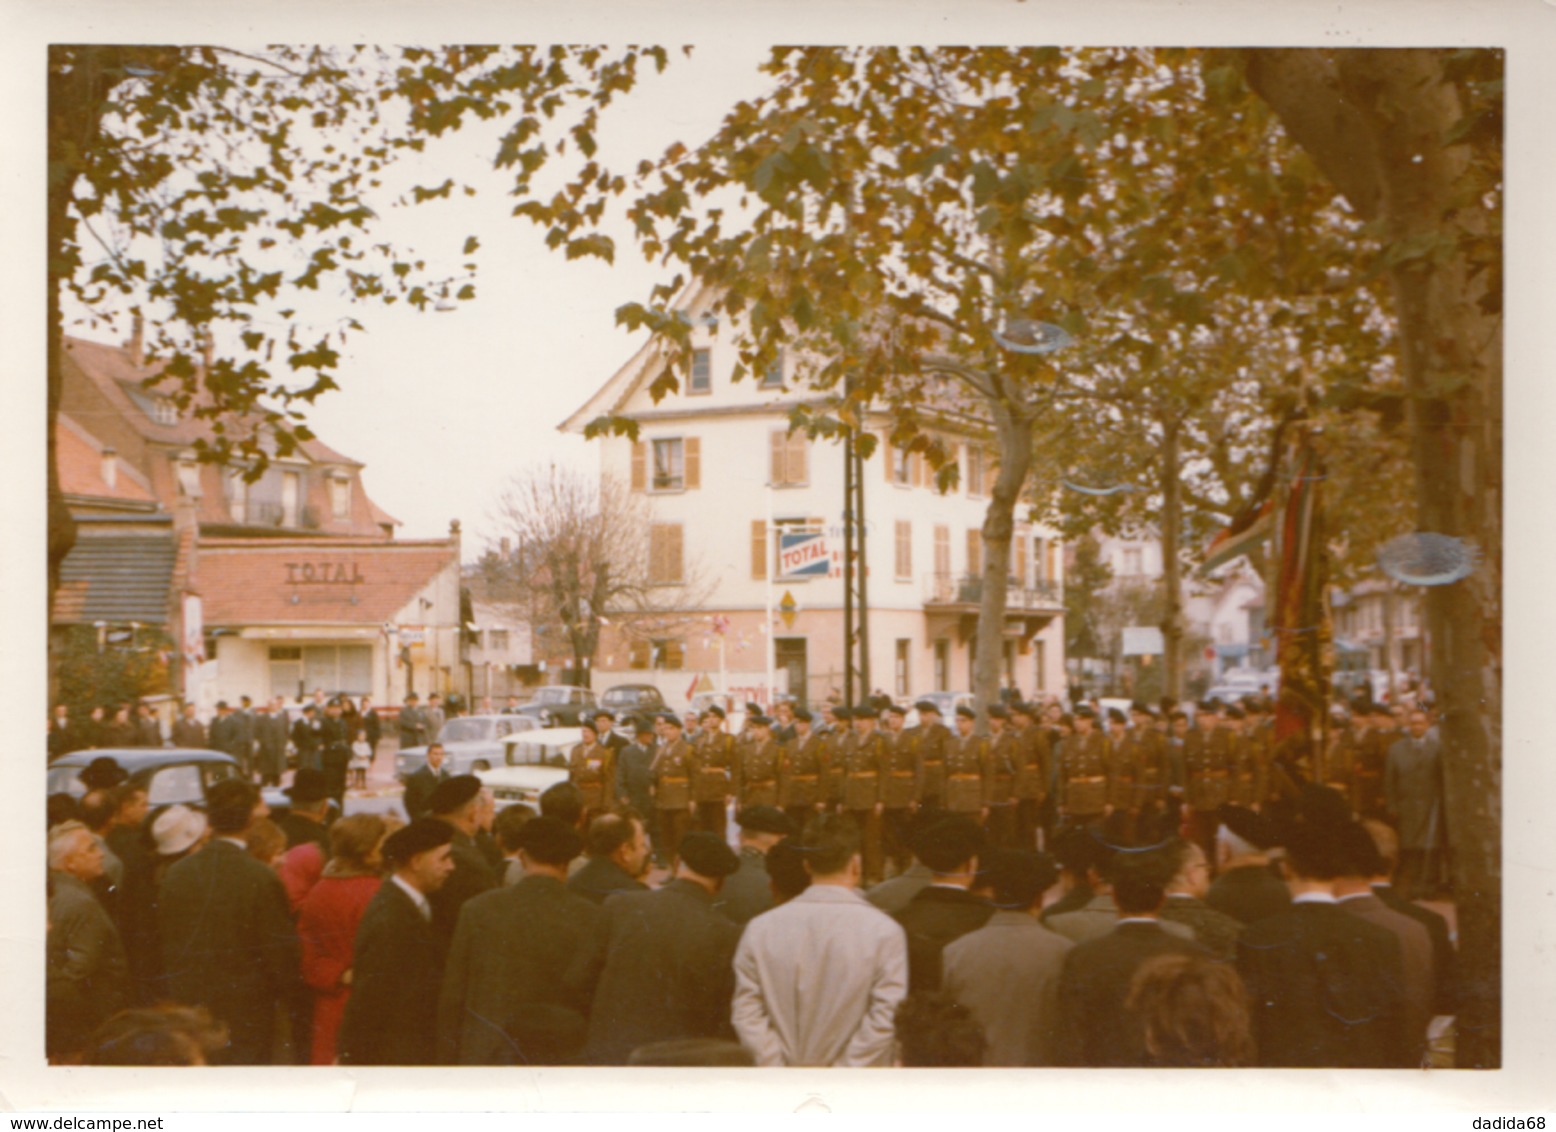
x: 1172, y: 581
x: 1014, y: 434
x: 1375, y: 122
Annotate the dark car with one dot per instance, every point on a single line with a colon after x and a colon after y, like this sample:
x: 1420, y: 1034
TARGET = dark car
x: 171, y: 775
x: 560, y: 705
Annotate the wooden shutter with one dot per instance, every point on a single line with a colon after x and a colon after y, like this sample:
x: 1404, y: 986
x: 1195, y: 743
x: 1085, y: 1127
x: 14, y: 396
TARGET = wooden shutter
x: 673, y: 556
x: 942, y: 553
x: 692, y: 457
x: 904, y: 549
x: 777, y: 455
x: 974, y: 552
x: 798, y: 463
x: 639, y: 466
x: 1020, y: 541
x: 1052, y: 548
x: 758, y: 549
x: 656, y: 553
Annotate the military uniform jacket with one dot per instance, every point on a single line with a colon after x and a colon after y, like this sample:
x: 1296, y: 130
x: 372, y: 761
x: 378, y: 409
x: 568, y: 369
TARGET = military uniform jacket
x: 1206, y: 764
x: 966, y: 774
x: 1083, y: 773
x: 1371, y: 759
x: 756, y: 774
x: 861, y: 759
x: 930, y: 744
x: 900, y: 788
x: 1242, y: 762
x: 801, y: 770
x: 1000, y: 783
x: 1121, y: 770
x: 672, y: 772
x: 1152, y: 773
x: 1031, y: 757
x: 593, y: 771
x: 715, y: 759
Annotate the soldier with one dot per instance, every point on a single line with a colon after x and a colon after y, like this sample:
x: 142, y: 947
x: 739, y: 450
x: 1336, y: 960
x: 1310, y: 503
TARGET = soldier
x: 715, y: 755
x: 1244, y: 786
x: 592, y: 768
x: 801, y: 769
x: 900, y: 788
x: 306, y: 739
x: 672, y: 772
x: 832, y: 775
x: 967, y: 768
x: 1367, y: 797
x: 1083, y: 772
x: 861, y: 760
x: 783, y: 721
x: 1207, y: 757
x: 1031, y: 764
x: 931, y: 738
x: 1259, y: 734
x: 1121, y: 772
x: 756, y: 766
x: 1000, y: 785
x: 1153, y: 775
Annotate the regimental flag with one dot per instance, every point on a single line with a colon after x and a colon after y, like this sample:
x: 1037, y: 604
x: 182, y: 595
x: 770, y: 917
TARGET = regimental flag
x: 1242, y: 537
x: 1303, y: 634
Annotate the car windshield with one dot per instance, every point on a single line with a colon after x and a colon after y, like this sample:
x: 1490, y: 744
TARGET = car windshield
x: 465, y: 731
x: 538, y: 754
x: 180, y: 783
x: 551, y: 696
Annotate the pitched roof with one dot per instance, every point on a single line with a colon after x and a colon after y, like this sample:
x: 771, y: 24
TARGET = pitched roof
x: 80, y: 462
x: 116, y: 578
x: 335, y: 581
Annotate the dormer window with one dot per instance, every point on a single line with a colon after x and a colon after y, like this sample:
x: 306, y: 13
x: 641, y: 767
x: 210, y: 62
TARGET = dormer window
x: 189, y: 475
x: 772, y: 377
x: 340, y: 495
x: 163, y: 411
x: 701, y: 380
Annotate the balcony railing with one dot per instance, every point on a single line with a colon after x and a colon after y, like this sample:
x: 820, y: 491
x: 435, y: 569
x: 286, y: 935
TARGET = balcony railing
x: 967, y: 589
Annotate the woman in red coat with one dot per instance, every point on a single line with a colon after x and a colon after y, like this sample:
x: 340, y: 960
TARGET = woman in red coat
x: 327, y: 922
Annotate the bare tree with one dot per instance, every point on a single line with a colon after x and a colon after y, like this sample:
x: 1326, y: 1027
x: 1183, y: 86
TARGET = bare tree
x: 582, y: 554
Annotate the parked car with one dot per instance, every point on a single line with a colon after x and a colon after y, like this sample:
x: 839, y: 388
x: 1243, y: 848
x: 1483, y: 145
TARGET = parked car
x: 536, y: 761
x: 628, y: 702
x: 171, y: 775
x: 471, y: 743
x: 559, y: 705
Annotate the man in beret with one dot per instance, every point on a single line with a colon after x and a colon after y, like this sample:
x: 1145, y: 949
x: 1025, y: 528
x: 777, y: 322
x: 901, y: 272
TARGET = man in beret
x: 1030, y: 759
x: 756, y: 767
x: 747, y: 893
x: 946, y: 909
x: 862, y: 756
x: 1000, y: 785
x: 1246, y: 886
x: 1083, y: 772
x: 967, y: 768
x: 592, y: 768
x: 714, y: 759
x: 1245, y: 776
x: 839, y: 729
x: 1121, y: 772
x: 1153, y: 774
x: 801, y: 769
x: 930, y: 738
x: 457, y: 801
x: 668, y: 971
x: 521, y: 947
x: 397, y: 962
x: 1207, y: 766
x: 900, y: 788
x: 673, y: 767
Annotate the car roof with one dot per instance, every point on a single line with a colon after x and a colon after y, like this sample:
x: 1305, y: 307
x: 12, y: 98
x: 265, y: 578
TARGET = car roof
x: 133, y: 759
x: 546, y: 735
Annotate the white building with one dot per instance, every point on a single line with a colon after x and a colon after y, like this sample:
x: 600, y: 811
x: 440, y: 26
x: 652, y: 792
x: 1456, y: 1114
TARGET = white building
x: 727, y: 487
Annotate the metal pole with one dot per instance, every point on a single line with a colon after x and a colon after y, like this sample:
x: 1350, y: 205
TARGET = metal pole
x: 848, y: 568
x: 772, y: 642
x: 863, y: 611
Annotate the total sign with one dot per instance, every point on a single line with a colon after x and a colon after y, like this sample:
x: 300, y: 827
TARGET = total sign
x: 803, y: 555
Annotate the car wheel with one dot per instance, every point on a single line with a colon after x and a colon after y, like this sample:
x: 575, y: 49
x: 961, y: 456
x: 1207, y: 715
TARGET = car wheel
x: 480, y: 765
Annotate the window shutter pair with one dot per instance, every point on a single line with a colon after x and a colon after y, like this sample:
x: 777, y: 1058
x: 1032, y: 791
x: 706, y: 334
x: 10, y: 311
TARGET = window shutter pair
x: 691, y: 460
x: 788, y: 458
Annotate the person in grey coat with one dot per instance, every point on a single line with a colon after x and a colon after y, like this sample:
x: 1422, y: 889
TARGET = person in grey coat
x: 749, y: 892
x: 1413, y: 789
x: 87, y: 975
x: 270, y: 740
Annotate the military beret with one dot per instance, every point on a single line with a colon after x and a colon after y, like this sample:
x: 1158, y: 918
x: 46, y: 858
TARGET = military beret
x: 765, y: 819
x: 1085, y: 711
x: 947, y: 844
x: 672, y: 720
x: 998, y: 711
x: 643, y: 725
x: 605, y: 713
x: 1138, y: 705
x: 801, y: 713
x: 753, y: 709
x: 1252, y: 827
x: 895, y: 709
x: 103, y: 773
x: 927, y: 706
x: 707, y: 855
x: 308, y: 785
x: 452, y: 793
x: 1207, y: 707
x: 841, y: 712
x: 715, y: 710
x: 1021, y: 707
x: 759, y: 721
x: 966, y: 712
x: 1235, y: 712
x: 1116, y: 716
x: 421, y: 836
x: 548, y: 840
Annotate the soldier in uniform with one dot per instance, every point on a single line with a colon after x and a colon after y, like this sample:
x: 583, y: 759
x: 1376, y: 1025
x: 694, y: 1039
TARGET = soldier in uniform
x: 930, y: 739
x: 1121, y: 773
x: 1243, y: 785
x: 1367, y: 795
x: 801, y: 768
x: 1000, y: 785
x: 716, y: 754
x: 1083, y: 772
x: 900, y: 789
x: 783, y: 721
x: 1207, y: 754
x: 672, y: 772
x: 967, y: 768
x: 756, y: 767
x: 1031, y: 765
x: 1153, y: 776
x: 592, y: 768
x: 861, y: 759
x: 832, y: 775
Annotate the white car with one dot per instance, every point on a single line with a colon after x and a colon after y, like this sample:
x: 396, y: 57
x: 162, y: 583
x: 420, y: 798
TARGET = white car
x: 537, y: 761
x: 471, y: 743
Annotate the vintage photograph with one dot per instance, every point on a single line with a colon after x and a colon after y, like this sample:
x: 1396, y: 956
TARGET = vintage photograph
x: 919, y: 557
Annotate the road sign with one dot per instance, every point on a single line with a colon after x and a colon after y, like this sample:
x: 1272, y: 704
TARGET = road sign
x: 803, y: 554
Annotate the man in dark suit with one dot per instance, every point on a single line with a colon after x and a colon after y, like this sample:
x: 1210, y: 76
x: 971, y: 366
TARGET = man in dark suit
x: 1095, y: 1029
x: 270, y: 742
x: 525, y: 946
x: 618, y: 857
x: 1246, y: 887
x: 457, y: 801
x: 188, y: 731
x: 304, y: 822
x: 1215, y: 931
x: 748, y: 892
x: 413, y: 723
x: 669, y: 959
x: 397, y: 962
x: 1444, y: 960
x: 228, y: 942
x: 1325, y: 986
x: 421, y: 782
x: 370, y: 721
x: 1413, y: 789
x: 945, y: 909
x: 305, y: 737
x: 335, y: 750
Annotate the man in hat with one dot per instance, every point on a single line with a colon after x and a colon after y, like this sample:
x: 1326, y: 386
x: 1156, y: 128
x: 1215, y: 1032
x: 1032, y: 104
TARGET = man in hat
x: 1245, y: 775
x: 714, y: 761
x: 862, y: 758
x: 335, y: 750
x: 457, y: 801
x: 305, y: 822
x: 220, y: 902
x: 756, y: 767
x: 1000, y: 785
x: 1030, y: 759
x: 88, y: 976
x: 668, y: 971
x: 1412, y: 790
x: 829, y: 937
x: 839, y: 728
x: 930, y: 738
x: 422, y: 781
x: 306, y: 738
x: 967, y: 768
x: 397, y: 963
x: 188, y: 731
x: 900, y: 787
x: 1083, y: 772
x: 412, y: 723
x: 634, y: 772
x: 1207, y: 766
x: 592, y: 768
x: 270, y: 742
x: 672, y: 771
x: 604, y: 726
x: 1246, y: 887
x: 619, y: 857
x: 802, y: 767
x: 1121, y: 773
x: 748, y: 892
x: 520, y: 948
x: 946, y: 909
x: 1153, y: 774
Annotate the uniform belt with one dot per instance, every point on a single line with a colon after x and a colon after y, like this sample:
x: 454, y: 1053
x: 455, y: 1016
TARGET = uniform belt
x: 955, y: 776
x: 803, y: 777
x: 861, y: 774
x: 934, y: 762
x: 672, y: 778
x: 1093, y: 778
x: 903, y: 773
